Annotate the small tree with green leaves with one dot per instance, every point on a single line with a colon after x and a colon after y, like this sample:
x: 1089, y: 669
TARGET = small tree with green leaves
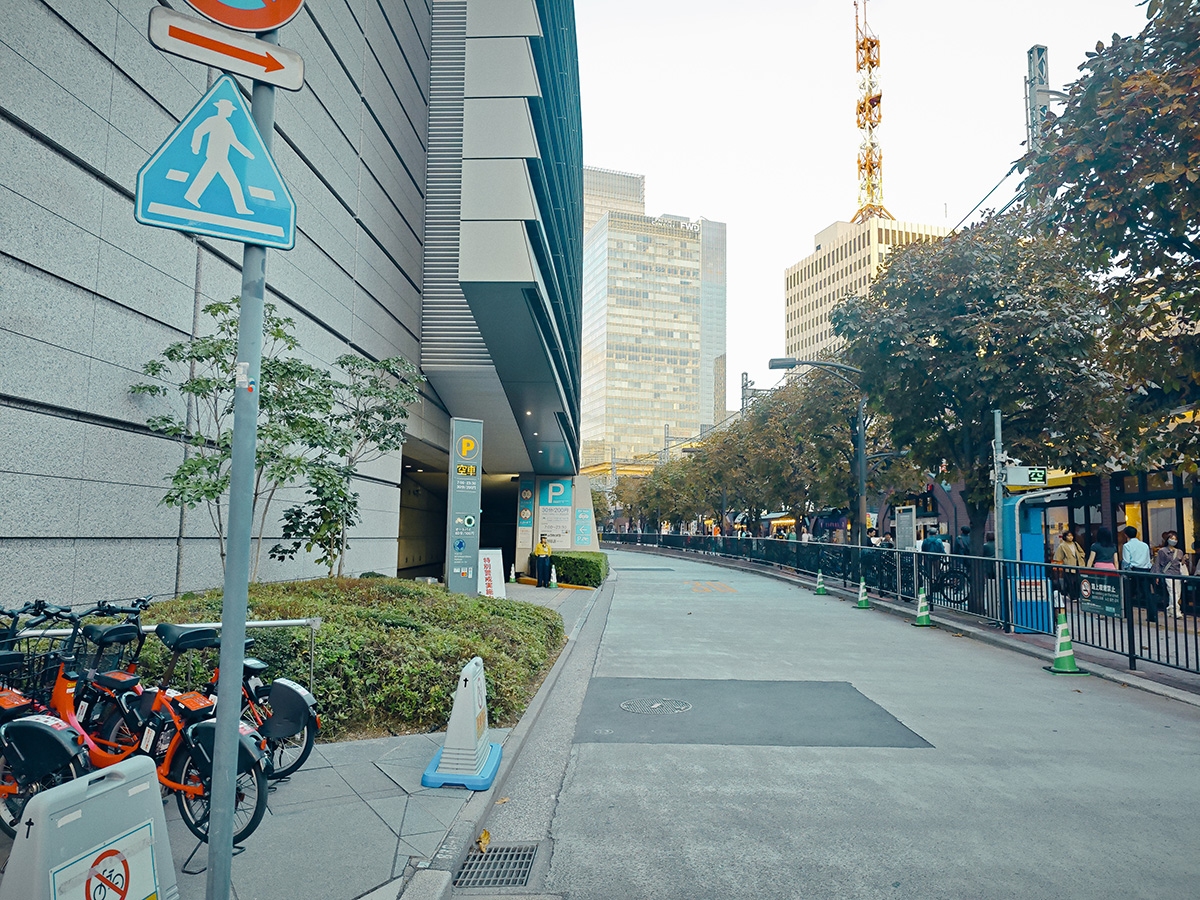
x: 371, y: 414
x: 295, y: 426
x: 320, y: 523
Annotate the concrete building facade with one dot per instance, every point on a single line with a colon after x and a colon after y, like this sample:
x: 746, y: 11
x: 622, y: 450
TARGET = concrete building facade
x: 846, y: 258
x: 87, y: 295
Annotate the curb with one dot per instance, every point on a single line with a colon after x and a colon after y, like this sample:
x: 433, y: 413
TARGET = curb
x: 984, y: 635
x: 433, y: 880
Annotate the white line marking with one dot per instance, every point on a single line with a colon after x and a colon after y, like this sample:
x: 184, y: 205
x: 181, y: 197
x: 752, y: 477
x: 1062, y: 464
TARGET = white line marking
x: 177, y: 175
x: 261, y: 193
x: 195, y: 215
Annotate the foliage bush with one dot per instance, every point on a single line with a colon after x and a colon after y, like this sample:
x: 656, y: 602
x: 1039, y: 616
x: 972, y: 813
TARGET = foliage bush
x: 583, y: 568
x: 388, y: 652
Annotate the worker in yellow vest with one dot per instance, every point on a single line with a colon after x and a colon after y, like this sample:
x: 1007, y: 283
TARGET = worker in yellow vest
x: 541, y: 554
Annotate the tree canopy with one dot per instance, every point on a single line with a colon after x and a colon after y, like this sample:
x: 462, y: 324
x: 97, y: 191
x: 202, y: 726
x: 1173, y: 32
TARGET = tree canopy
x: 993, y: 317
x: 1119, y: 167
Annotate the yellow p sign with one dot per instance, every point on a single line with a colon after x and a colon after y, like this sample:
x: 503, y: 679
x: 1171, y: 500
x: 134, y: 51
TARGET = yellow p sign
x: 468, y: 447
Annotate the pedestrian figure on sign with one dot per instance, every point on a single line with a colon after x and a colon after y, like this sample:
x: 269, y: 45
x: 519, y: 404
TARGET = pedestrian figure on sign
x: 221, y: 139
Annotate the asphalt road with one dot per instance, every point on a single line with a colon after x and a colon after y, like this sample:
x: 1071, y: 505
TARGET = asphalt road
x: 776, y: 744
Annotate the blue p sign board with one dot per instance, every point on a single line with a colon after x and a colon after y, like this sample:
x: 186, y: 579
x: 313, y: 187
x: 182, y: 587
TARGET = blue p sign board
x: 555, y: 493
x: 215, y: 176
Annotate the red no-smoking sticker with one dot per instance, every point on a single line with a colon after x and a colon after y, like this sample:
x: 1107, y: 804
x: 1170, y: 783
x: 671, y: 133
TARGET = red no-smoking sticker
x: 108, y: 878
x: 248, y: 15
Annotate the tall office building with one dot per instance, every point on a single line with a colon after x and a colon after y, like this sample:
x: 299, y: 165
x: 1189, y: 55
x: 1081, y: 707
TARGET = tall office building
x: 604, y: 190
x: 846, y: 257
x: 653, y: 329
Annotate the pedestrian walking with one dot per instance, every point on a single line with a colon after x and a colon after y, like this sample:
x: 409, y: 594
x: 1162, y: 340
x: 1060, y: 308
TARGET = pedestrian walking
x: 541, y: 556
x: 1167, y: 562
x: 1135, y: 559
x: 1104, y: 552
x: 1068, y: 558
x: 962, y: 543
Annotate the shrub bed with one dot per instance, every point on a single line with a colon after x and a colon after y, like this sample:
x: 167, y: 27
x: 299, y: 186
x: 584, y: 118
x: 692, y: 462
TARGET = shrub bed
x: 583, y: 568
x: 388, y: 652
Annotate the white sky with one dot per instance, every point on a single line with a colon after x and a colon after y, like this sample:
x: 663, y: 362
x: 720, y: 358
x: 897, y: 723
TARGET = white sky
x: 744, y: 113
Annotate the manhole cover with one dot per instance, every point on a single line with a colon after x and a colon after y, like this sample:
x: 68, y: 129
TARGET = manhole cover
x: 504, y: 865
x: 655, y: 706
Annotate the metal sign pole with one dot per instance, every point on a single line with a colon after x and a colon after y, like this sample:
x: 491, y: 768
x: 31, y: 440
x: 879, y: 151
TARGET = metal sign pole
x: 241, y: 514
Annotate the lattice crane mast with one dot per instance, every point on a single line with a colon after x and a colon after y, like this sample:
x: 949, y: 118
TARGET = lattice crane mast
x: 868, y: 115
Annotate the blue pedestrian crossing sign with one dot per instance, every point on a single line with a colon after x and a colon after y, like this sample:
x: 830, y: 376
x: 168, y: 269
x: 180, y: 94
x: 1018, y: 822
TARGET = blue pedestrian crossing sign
x: 214, y: 176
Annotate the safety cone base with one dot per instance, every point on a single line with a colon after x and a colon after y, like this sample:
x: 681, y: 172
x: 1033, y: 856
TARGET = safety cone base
x: 1054, y: 671
x: 922, y: 625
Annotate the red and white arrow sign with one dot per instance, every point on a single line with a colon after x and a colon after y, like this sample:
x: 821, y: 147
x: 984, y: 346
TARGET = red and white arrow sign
x: 221, y: 48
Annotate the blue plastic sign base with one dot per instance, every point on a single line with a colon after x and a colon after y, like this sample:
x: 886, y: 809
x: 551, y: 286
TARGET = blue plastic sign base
x: 481, y: 782
x: 214, y: 176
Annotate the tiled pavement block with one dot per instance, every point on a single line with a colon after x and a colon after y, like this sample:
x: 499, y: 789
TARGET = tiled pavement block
x: 423, y: 845
x: 357, y: 751
x: 419, y: 820
x: 414, y: 747
x: 317, y: 759
x: 345, y: 853
x: 321, y: 785
x: 367, y: 779
x: 444, y: 809
x: 406, y: 777
x: 391, y: 810
x: 389, y: 891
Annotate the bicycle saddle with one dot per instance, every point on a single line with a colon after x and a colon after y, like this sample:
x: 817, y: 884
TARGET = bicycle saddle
x: 107, y: 635
x: 179, y: 638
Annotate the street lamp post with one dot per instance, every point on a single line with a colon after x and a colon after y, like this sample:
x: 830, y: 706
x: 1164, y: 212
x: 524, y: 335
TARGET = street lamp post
x: 860, y: 439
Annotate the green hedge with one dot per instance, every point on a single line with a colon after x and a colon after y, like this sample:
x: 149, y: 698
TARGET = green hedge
x: 388, y: 652
x: 584, y: 568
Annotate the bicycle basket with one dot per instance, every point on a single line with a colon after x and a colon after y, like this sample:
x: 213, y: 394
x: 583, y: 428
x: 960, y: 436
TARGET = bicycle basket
x: 36, y: 677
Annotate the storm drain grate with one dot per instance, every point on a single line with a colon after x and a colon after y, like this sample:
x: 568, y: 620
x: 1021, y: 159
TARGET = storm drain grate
x: 655, y: 706
x: 504, y: 865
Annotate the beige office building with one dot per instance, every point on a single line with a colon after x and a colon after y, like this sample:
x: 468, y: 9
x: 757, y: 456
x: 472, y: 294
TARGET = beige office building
x: 653, y: 333
x: 846, y: 257
x: 605, y: 189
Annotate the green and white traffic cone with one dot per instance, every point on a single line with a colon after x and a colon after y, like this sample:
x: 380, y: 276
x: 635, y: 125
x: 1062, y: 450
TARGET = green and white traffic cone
x: 553, y: 577
x: 863, y: 603
x: 512, y: 574
x: 1064, y: 654
x: 922, y: 611
x: 820, y: 584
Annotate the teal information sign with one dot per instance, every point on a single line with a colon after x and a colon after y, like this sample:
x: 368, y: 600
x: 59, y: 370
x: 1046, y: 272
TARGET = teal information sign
x: 1101, y: 594
x: 462, y: 505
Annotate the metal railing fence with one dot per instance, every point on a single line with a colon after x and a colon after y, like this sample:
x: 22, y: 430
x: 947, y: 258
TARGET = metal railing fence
x: 1140, y: 615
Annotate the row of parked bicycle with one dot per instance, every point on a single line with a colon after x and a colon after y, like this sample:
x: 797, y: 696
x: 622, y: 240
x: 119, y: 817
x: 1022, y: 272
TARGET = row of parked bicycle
x: 71, y: 699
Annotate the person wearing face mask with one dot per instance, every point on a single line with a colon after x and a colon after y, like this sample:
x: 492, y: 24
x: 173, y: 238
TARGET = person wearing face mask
x: 1166, y: 562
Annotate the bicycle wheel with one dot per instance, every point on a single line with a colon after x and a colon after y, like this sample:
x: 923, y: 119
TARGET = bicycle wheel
x: 289, y: 754
x: 954, y: 587
x: 13, y: 806
x: 249, y: 805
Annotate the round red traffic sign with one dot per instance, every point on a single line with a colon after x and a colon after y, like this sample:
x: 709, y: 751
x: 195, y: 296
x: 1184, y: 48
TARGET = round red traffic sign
x: 248, y: 15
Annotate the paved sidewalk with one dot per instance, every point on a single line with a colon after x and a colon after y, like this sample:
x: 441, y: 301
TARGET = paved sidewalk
x: 353, y: 820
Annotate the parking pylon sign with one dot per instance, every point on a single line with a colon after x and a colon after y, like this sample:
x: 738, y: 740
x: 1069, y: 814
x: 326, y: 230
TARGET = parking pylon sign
x: 215, y: 176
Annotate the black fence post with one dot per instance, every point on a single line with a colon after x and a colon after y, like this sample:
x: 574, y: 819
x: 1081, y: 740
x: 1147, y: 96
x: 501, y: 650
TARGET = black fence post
x: 1131, y: 630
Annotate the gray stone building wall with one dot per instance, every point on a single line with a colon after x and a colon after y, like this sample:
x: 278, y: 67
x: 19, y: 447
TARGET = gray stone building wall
x: 87, y: 295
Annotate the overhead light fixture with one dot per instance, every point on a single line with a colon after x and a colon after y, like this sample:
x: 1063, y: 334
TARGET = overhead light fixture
x: 535, y: 434
x: 529, y: 412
